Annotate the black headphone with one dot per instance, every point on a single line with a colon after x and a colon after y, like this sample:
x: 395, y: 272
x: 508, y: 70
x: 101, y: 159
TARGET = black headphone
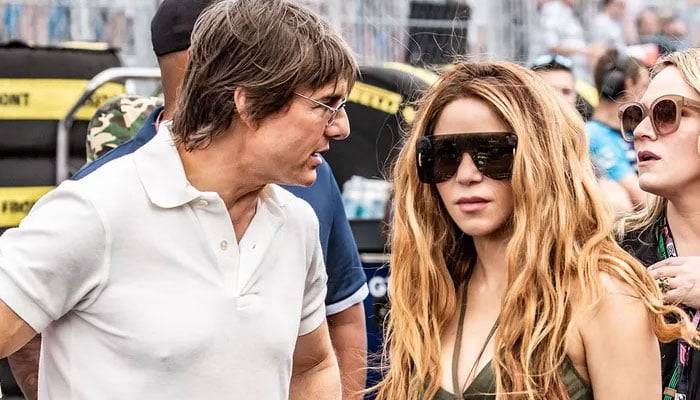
x: 614, y: 82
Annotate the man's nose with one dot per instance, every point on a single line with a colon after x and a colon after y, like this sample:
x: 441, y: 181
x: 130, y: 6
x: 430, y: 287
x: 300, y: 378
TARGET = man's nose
x: 340, y: 128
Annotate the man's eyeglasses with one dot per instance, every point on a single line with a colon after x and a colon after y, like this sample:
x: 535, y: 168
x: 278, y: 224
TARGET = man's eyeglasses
x: 552, y: 61
x: 438, y: 157
x: 332, y: 110
x: 664, y: 113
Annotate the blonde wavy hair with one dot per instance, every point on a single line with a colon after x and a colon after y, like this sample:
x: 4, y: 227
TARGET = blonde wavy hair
x: 688, y: 63
x: 561, y: 241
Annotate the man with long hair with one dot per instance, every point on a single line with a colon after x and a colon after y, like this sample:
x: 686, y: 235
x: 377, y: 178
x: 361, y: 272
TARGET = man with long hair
x: 175, y: 266
x: 171, y: 28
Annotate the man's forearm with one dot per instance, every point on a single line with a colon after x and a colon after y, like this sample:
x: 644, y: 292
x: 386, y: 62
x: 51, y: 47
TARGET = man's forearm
x: 321, y: 381
x: 24, y: 364
x: 349, y: 338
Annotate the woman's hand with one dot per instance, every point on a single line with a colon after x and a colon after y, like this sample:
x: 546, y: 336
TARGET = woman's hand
x: 679, y: 279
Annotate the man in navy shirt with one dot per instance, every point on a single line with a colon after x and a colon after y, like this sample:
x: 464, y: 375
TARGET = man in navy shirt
x: 170, y: 29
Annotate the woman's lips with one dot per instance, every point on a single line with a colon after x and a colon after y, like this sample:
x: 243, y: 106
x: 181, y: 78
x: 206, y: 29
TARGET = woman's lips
x: 646, y: 158
x: 471, y: 204
x: 647, y: 155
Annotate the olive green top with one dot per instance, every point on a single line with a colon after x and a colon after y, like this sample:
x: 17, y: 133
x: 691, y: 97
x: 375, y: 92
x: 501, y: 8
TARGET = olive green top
x: 483, y: 387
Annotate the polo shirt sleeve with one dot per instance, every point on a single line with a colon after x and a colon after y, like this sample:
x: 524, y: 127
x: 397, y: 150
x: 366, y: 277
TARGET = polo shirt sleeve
x: 347, y: 283
x: 54, y: 261
x: 313, y: 311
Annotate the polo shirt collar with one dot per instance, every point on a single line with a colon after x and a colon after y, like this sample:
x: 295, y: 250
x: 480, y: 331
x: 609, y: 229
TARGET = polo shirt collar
x: 160, y: 170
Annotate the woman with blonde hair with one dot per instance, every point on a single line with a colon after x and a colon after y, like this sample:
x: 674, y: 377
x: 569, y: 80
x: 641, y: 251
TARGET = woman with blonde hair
x: 665, y: 236
x: 506, y: 282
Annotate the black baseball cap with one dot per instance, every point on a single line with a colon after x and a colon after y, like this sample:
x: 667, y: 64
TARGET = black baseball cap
x: 172, y: 25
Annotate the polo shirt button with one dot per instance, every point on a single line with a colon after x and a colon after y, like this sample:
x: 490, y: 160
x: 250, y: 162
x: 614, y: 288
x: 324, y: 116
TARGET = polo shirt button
x: 202, y: 203
x: 223, y: 245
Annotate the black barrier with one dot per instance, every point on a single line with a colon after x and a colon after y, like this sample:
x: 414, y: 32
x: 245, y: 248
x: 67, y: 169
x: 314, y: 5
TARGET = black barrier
x: 38, y: 85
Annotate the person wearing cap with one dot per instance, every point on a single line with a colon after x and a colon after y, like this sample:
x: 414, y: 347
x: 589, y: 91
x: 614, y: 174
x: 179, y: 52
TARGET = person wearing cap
x: 175, y: 267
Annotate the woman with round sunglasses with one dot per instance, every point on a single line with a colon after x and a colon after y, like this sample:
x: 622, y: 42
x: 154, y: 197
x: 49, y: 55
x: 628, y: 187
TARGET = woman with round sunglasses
x: 665, y: 235
x: 506, y: 281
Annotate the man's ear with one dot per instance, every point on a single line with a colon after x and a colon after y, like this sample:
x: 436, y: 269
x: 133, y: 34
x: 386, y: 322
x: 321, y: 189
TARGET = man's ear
x: 240, y: 100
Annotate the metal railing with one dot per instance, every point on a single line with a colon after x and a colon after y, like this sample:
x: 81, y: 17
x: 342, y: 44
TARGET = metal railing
x: 64, y: 126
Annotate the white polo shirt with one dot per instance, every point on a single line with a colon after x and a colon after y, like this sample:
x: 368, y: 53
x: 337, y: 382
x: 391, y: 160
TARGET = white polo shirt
x: 139, y: 287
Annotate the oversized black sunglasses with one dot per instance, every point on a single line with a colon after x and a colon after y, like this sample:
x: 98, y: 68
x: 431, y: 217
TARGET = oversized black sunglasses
x: 438, y: 156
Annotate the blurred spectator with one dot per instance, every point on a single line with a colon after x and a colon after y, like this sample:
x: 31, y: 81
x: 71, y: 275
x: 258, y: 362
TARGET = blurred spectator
x: 692, y: 17
x: 629, y: 24
x: 648, y: 24
x: 675, y: 31
x: 557, y: 72
x: 561, y: 33
x: 649, y: 30
x: 618, y: 79
x: 607, y: 26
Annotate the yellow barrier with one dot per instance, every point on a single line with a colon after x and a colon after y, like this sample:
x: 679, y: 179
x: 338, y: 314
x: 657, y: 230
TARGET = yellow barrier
x: 375, y: 97
x: 15, y: 203
x: 50, y: 99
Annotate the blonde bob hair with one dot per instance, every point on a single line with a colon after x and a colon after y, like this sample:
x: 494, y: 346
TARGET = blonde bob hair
x: 561, y: 240
x: 688, y: 63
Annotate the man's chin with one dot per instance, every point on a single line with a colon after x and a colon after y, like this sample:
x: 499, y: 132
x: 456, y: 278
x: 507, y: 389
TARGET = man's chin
x: 307, y: 179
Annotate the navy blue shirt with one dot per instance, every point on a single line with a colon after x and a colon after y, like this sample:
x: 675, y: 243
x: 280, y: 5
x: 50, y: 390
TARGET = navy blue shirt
x: 346, y: 277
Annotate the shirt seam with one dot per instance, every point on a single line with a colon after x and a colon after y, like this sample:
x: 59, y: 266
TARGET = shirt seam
x: 107, y: 254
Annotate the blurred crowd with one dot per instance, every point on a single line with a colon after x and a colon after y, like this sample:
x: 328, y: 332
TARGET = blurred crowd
x: 631, y: 27
x: 598, y: 68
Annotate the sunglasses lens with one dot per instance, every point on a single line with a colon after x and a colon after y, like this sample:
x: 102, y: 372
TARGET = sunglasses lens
x: 492, y: 155
x: 665, y: 114
x: 495, y: 162
x: 631, y: 117
x: 446, y: 160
